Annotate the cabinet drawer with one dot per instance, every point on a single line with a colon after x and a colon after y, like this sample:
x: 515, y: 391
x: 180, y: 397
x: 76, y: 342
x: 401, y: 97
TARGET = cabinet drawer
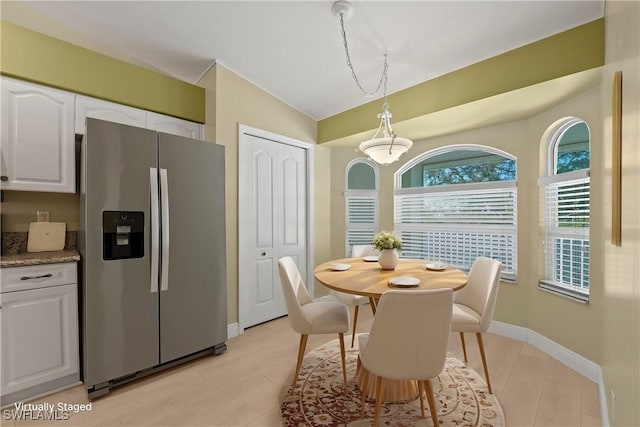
x: 37, y: 276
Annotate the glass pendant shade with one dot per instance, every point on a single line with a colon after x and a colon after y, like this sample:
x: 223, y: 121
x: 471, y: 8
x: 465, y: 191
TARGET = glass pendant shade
x: 381, y: 151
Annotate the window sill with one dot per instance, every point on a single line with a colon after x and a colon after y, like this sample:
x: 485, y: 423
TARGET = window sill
x: 563, y: 292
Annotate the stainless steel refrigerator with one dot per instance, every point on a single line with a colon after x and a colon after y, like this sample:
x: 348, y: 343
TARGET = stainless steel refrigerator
x: 152, y: 245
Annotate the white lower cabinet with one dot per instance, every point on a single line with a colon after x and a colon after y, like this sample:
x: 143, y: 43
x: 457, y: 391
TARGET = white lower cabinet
x: 39, y: 333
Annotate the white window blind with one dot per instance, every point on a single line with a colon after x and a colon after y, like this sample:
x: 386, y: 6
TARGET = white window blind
x: 362, y: 217
x: 458, y: 223
x: 565, y: 233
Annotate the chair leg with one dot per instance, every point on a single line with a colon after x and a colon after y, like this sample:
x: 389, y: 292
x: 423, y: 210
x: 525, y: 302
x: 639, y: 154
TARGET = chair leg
x: 484, y: 360
x: 303, y: 345
x: 464, y: 348
x: 355, y: 322
x: 379, y: 388
x: 365, y: 386
x: 432, y: 403
x: 421, y: 391
x: 344, y: 363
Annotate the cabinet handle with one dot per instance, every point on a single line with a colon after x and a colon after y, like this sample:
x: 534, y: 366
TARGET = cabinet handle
x: 36, y: 277
x: 4, y: 178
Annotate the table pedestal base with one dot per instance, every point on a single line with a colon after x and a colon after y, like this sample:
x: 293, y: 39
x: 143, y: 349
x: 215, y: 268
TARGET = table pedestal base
x: 394, y: 390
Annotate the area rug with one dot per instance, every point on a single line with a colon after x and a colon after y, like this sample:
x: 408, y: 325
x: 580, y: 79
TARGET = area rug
x: 319, y: 397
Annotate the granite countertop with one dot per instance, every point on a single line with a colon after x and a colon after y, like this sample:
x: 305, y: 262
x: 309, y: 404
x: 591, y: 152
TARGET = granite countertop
x: 14, y: 251
x: 36, y: 258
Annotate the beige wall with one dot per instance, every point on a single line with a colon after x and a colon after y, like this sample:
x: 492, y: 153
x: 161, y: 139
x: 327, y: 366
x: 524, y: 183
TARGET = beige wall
x: 19, y: 209
x: 621, y: 291
x: 575, y: 325
x: 521, y: 303
x: 232, y: 100
x: 322, y: 212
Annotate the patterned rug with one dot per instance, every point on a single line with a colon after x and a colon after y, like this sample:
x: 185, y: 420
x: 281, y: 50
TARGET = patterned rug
x: 319, y: 398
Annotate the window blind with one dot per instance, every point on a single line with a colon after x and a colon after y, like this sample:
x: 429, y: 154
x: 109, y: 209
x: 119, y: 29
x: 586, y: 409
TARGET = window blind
x: 565, y: 233
x: 458, y: 223
x: 362, y: 218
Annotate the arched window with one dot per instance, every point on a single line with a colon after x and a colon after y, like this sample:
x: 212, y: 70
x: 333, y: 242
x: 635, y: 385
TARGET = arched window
x: 457, y: 203
x: 361, y: 203
x: 565, y: 214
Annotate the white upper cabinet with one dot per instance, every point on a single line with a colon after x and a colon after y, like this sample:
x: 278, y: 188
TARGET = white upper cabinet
x: 105, y: 110
x: 117, y: 113
x: 174, y: 126
x: 37, y: 138
x: 38, y: 130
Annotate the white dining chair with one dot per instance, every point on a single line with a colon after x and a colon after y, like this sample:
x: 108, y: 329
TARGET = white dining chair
x: 308, y: 317
x: 408, y: 341
x: 355, y: 301
x: 474, y: 305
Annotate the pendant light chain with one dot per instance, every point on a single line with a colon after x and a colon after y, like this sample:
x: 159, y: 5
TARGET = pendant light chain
x: 388, y: 147
x: 383, y: 77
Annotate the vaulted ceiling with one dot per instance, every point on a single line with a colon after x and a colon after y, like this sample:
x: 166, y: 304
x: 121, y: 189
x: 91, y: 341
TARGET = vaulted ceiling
x: 294, y: 49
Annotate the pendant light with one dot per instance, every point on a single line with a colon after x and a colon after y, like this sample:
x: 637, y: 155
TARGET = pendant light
x: 385, y: 147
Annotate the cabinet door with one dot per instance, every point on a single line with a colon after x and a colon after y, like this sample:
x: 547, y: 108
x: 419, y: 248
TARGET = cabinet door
x: 37, y: 138
x: 173, y: 126
x: 39, y: 336
x: 105, y: 110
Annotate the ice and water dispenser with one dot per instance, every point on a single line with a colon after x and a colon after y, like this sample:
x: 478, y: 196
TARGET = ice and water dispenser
x: 123, y: 235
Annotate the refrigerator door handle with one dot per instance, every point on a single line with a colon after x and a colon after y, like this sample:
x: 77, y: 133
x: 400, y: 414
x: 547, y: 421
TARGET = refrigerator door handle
x: 164, y: 202
x: 155, y: 228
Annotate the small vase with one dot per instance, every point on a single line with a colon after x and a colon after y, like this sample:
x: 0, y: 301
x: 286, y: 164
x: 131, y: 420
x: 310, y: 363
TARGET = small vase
x: 388, y: 259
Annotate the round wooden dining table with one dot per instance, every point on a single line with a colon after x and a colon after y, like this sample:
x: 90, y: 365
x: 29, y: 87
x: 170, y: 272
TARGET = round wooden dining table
x: 368, y: 279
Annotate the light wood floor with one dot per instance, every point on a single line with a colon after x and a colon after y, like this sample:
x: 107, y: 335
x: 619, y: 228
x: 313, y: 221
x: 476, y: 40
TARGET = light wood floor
x: 241, y: 387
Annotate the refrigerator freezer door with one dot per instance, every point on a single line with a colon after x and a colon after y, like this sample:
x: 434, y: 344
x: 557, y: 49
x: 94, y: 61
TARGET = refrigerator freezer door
x: 119, y: 310
x: 193, y: 310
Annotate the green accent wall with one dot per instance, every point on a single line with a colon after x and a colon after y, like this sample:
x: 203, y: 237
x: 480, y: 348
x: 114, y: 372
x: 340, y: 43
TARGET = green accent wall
x: 566, y: 53
x: 32, y: 56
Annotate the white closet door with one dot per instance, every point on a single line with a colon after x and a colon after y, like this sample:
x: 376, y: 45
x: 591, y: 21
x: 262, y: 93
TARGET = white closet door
x: 274, y: 223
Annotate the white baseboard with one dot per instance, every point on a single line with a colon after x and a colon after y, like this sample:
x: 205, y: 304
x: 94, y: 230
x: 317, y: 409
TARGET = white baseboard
x: 517, y: 333
x: 573, y: 360
x: 233, y: 330
x: 604, y: 410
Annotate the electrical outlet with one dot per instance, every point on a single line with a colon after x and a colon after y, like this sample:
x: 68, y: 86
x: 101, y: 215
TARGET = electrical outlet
x: 42, y: 216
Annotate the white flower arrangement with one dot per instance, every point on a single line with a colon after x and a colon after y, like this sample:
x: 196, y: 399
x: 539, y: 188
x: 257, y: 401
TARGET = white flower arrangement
x: 387, y: 240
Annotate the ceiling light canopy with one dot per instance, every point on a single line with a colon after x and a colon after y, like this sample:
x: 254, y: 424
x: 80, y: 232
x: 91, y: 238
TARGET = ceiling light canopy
x: 388, y: 147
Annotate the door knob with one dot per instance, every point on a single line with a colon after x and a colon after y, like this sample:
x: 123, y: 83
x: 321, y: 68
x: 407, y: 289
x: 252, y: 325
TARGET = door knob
x: 4, y: 178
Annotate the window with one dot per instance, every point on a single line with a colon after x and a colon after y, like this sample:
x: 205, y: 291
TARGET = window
x: 361, y: 203
x: 565, y: 215
x: 457, y: 203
